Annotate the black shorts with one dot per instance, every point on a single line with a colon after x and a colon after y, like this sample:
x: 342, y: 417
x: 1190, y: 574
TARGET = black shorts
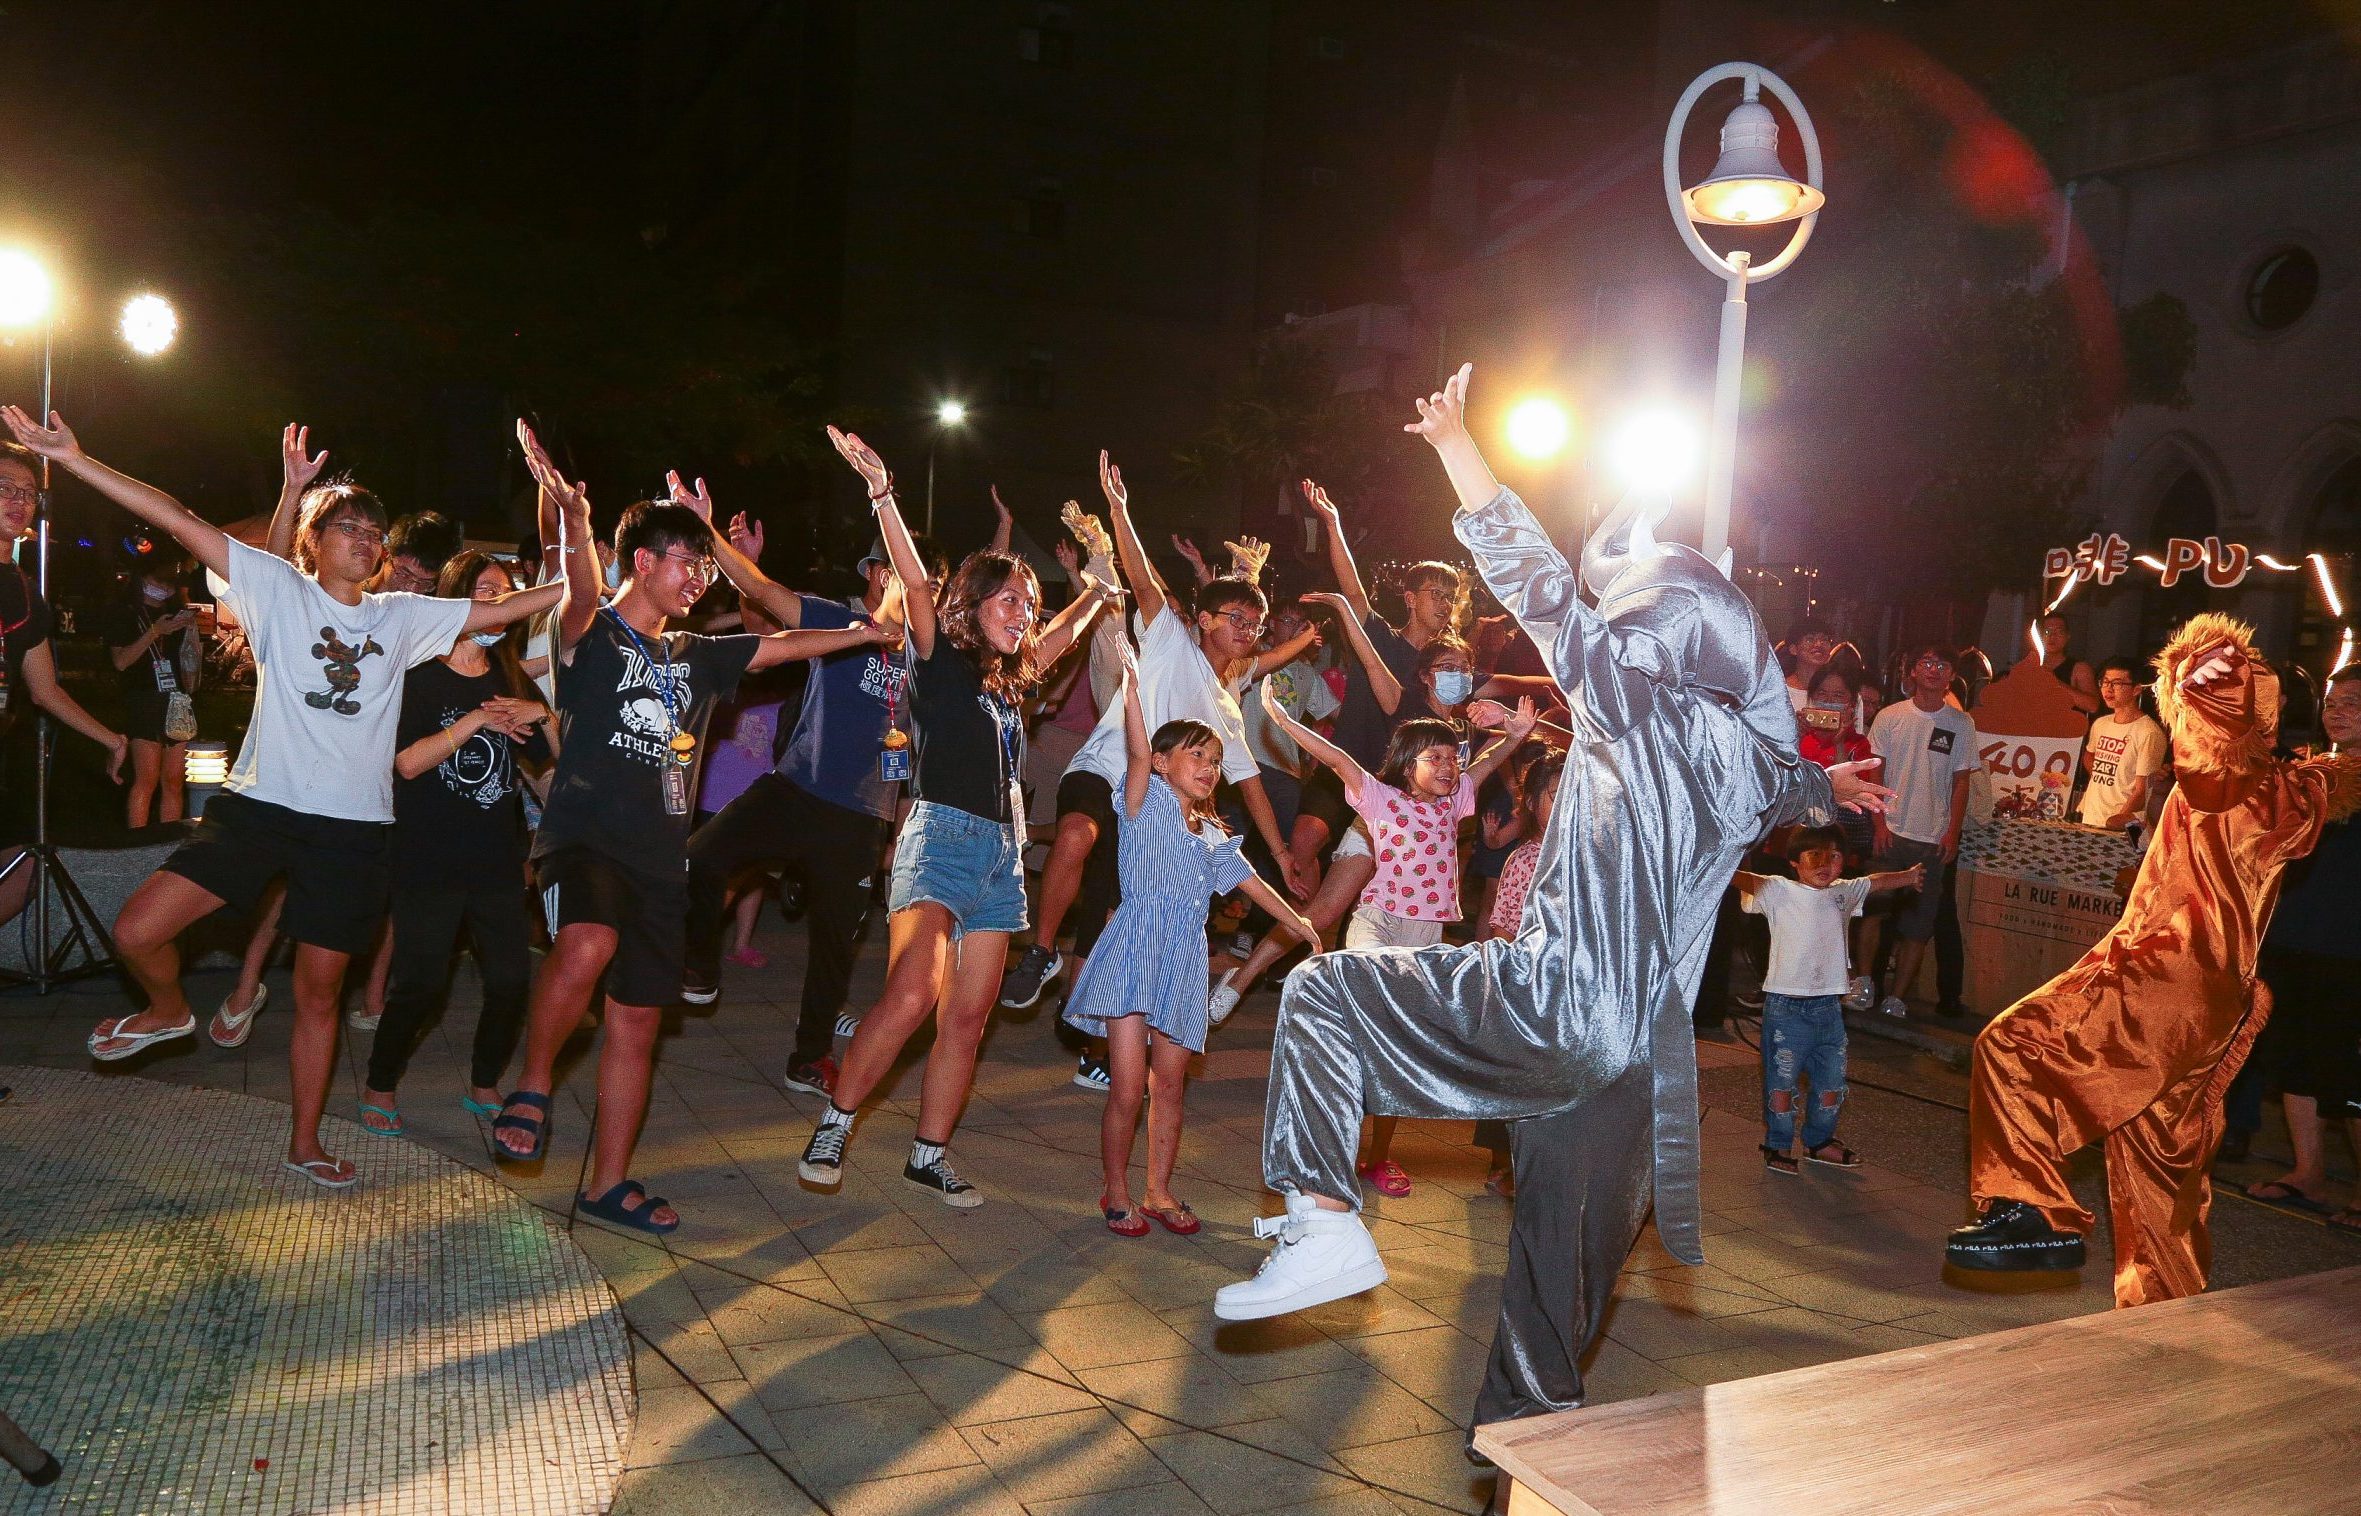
x: 336, y: 869
x: 143, y: 715
x: 1102, y: 884
x: 648, y: 914
x: 1323, y: 796
x: 2314, y: 1035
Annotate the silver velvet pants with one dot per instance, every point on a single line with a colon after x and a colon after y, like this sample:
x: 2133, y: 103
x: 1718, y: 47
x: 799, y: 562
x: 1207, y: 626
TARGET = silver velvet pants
x: 1357, y: 1037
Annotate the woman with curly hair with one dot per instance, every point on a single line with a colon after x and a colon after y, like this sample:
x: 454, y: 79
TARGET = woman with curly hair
x: 958, y: 880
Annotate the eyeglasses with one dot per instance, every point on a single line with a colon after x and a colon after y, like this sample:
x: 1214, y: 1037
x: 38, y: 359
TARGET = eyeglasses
x: 2119, y: 684
x: 21, y: 494
x: 360, y: 531
x: 699, y: 566
x: 1251, y: 625
x: 1932, y: 662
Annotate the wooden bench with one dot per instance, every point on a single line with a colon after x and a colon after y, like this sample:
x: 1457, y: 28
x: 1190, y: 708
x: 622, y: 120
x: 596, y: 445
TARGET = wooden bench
x: 2244, y: 1401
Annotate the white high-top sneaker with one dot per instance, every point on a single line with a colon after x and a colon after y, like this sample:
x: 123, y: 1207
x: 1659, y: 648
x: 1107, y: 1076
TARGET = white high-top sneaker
x: 1223, y: 1000
x: 1321, y: 1256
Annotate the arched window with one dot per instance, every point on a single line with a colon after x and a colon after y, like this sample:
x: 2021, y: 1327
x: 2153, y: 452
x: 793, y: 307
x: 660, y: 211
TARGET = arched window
x: 2186, y: 510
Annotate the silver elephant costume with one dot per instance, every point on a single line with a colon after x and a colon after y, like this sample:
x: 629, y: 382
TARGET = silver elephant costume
x: 1579, y: 1029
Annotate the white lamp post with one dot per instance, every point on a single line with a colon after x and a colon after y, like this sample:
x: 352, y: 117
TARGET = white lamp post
x: 1746, y: 188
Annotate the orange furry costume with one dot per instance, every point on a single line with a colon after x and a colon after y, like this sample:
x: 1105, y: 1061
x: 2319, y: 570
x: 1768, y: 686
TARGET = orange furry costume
x: 2137, y: 1043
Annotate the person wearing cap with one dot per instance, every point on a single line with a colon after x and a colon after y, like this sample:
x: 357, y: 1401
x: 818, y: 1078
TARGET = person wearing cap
x: 824, y: 808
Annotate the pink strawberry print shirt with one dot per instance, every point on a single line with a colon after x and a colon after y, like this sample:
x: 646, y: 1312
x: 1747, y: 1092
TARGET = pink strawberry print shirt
x: 1416, y: 842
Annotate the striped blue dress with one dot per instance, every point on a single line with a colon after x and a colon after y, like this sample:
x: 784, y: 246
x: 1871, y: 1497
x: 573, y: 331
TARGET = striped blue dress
x: 1150, y: 961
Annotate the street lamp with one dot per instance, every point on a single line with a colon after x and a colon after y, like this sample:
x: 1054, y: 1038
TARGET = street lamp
x: 1653, y: 451
x: 1747, y: 187
x: 1538, y: 428
x: 148, y: 325
x: 948, y: 414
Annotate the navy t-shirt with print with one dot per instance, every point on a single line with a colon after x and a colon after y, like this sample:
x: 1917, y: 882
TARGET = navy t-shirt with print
x: 460, y: 820
x: 1362, y: 727
x: 612, y: 739
x: 833, y: 751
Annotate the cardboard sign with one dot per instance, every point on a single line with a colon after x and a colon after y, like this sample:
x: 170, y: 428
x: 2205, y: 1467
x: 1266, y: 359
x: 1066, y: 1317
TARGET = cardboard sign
x: 2030, y: 736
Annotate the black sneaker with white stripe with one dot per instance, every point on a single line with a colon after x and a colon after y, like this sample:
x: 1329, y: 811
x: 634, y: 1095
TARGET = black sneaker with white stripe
x: 942, y: 1181
x: 2011, y: 1236
x: 823, y: 1156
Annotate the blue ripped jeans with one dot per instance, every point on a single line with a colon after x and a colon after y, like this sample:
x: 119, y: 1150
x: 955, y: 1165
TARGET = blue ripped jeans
x: 1802, y: 1035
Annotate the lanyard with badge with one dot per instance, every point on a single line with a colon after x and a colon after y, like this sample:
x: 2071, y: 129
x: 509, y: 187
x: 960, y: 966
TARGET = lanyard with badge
x: 893, y: 754
x: 683, y: 744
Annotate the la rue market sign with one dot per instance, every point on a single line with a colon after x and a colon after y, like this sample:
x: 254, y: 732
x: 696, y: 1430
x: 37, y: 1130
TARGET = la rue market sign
x: 2103, y: 560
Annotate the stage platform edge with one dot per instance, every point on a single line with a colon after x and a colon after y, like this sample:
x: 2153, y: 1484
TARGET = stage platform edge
x: 2229, y: 1403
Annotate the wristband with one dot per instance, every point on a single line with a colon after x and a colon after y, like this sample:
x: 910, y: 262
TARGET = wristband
x: 887, y: 491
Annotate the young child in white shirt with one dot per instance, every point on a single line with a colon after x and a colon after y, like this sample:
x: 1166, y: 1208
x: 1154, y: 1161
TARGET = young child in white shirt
x: 1803, y: 991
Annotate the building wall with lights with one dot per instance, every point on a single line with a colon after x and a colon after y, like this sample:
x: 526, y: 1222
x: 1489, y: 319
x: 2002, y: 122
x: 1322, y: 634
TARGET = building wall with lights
x: 2227, y: 190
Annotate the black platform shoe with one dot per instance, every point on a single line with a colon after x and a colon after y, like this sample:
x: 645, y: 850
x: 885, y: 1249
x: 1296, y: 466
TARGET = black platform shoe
x: 2013, y: 1236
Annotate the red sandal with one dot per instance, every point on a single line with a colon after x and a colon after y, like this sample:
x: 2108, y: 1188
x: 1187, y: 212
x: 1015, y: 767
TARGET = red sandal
x: 1121, y: 1222
x: 1178, y: 1220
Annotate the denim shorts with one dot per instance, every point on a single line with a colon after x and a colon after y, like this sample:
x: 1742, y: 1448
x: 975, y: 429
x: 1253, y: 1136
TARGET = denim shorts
x: 971, y: 867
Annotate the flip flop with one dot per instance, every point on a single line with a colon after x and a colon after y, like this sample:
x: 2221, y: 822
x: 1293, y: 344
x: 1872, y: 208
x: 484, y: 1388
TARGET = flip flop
x: 228, y: 1031
x: 1179, y: 1220
x: 475, y: 1107
x: 322, y: 1172
x: 537, y: 1125
x: 2346, y: 1220
x: 397, y: 1129
x: 2286, y: 1197
x: 611, y: 1207
x: 1121, y: 1222
x: 113, y: 1032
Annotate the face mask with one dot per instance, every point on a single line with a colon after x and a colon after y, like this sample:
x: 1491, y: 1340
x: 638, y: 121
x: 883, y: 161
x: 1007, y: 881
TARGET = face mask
x: 614, y: 573
x: 486, y: 639
x: 1453, y: 686
x: 156, y: 594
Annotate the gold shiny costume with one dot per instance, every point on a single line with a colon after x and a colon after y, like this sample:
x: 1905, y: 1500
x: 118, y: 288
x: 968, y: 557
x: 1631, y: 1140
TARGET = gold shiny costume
x: 2136, y: 1044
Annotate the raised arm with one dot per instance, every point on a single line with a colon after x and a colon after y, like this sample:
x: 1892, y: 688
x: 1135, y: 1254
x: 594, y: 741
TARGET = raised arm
x: 1382, y: 682
x: 201, y: 539
x: 1136, y: 768
x: 1068, y: 624
x: 814, y: 642
x: 777, y: 601
x: 1911, y: 878
x: 298, y: 467
x: 1130, y: 552
x: 1277, y: 658
x: 1004, y: 523
x: 1340, y: 552
x: 1195, y: 559
x: 1520, y: 726
x: 900, y: 547
x: 578, y: 571
x: 1351, y: 772
x: 516, y: 605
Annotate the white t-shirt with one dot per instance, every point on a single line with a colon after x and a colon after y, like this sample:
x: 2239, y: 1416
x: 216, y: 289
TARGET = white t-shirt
x: 327, y: 685
x: 1924, y: 751
x: 1807, y: 934
x: 1176, y: 684
x: 2120, y: 754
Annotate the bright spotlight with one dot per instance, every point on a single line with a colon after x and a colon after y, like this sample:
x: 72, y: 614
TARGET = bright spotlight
x: 950, y: 413
x: 149, y: 324
x: 24, y: 289
x: 1654, y: 450
x: 1538, y: 427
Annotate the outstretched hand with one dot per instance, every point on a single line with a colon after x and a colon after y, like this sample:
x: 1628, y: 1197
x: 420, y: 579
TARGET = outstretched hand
x: 864, y: 460
x: 1000, y: 508
x: 298, y: 467
x: 1855, y: 791
x: 54, y: 441
x: 1317, y: 498
x: 2219, y: 665
x: 699, y: 499
x: 1068, y: 559
x: 746, y: 536
x: 1442, y: 416
x: 1187, y: 548
x: 118, y: 753
x: 572, y: 498
x: 1111, y: 483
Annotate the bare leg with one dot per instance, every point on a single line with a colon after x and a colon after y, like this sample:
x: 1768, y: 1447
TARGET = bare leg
x: 1061, y: 875
x: 147, y: 760
x: 1127, y: 1084
x: 311, y: 1054
x: 174, y: 805
x: 1339, y: 891
x: 561, y: 993
x: 968, y: 997
x: 626, y: 1065
x: 1168, y: 1078
x: 2307, y: 1134
x: 748, y: 908
x: 918, y: 945
x: 258, y: 946
x: 146, y: 939
x: 1377, y: 1140
x: 1908, y: 956
x: 16, y: 882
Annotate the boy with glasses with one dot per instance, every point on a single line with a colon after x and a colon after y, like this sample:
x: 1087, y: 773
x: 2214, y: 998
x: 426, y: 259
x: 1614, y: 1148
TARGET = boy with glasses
x: 2124, y: 753
x: 1929, y: 750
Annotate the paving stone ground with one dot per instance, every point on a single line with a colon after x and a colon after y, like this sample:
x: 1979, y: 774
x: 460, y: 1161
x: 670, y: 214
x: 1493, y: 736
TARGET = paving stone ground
x: 874, y: 1351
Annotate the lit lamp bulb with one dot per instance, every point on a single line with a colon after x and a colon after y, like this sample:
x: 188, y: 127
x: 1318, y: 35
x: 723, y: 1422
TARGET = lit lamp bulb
x: 149, y: 324
x: 1748, y: 186
x: 1654, y: 451
x: 24, y: 289
x: 951, y: 413
x: 205, y: 767
x: 1538, y: 427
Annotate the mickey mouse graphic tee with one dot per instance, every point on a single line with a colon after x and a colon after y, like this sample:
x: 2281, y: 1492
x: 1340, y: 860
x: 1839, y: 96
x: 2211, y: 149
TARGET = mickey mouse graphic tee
x: 614, y: 739
x: 327, y: 685
x: 1416, y: 843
